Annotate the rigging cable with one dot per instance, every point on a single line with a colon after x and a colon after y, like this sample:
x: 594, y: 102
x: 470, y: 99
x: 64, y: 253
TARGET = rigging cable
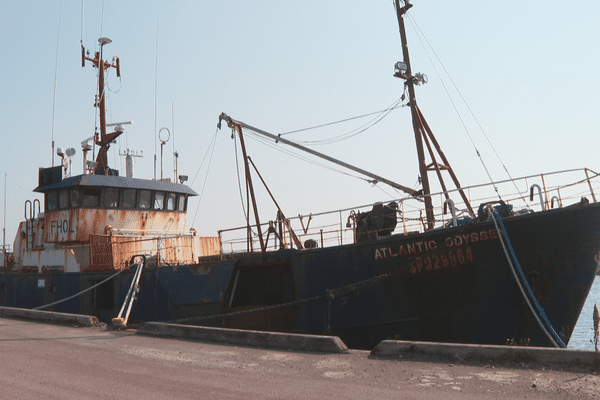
x: 268, y: 143
x: 418, y: 30
x: 237, y: 171
x: 155, y: 91
x: 356, y: 131
x: 333, y: 123
x: 173, y: 142
x: 211, y: 148
x: 55, y: 73
x: 102, y: 19
x: 383, y: 113
x: 81, y: 38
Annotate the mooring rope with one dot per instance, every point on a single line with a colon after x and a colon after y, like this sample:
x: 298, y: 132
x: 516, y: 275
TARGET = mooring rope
x: 538, y: 311
x: 86, y: 290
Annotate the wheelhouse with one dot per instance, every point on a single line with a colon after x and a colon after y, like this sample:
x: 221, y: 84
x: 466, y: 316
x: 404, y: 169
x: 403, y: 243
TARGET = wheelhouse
x: 79, y: 206
x: 114, y: 192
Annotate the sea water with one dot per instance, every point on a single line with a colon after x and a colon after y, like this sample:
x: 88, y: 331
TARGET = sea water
x: 583, y: 334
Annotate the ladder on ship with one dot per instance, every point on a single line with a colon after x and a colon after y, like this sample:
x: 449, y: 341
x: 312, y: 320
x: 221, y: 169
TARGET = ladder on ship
x: 30, y: 214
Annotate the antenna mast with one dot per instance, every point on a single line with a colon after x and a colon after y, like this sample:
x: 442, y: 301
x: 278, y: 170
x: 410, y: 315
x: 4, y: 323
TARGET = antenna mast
x: 104, y: 139
x: 55, y: 73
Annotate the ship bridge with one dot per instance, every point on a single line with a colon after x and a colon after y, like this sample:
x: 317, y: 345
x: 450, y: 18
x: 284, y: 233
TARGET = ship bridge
x: 99, y: 222
x: 85, y: 205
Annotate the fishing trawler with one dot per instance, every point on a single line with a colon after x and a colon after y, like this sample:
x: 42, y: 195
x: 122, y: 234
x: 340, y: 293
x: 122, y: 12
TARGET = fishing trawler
x: 518, y: 267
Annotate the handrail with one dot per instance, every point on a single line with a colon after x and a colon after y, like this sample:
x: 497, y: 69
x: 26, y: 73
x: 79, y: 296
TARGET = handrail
x: 467, y: 188
x: 570, y: 185
x: 539, y: 190
x: 452, y: 210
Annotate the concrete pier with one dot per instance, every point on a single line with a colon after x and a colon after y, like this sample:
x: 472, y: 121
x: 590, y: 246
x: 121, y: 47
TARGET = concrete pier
x: 44, y: 360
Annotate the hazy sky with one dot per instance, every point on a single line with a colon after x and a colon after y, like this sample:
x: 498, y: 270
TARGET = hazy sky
x: 528, y: 70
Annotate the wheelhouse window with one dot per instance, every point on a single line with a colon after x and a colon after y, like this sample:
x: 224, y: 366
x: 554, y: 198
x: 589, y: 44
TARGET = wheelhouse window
x: 128, y: 198
x: 145, y: 198
x: 114, y: 198
x: 171, y: 201
x: 52, y: 200
x: 63, y: 199
x: 159, y: 201
x: 75, y: 201
x: 91, y: 197
x: 111, y: 197
x: 182, y: 202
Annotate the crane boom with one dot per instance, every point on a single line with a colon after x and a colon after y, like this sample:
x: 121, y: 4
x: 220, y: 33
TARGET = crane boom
x: 231, y: 122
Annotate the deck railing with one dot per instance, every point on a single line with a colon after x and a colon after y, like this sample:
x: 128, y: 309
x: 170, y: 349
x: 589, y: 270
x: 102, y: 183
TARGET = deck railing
x: 525, y: 195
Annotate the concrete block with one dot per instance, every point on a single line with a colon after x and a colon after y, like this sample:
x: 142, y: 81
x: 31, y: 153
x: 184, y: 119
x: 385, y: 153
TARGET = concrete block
x: 289, y: 341
x: 566, y: 359
x: 49, y: 316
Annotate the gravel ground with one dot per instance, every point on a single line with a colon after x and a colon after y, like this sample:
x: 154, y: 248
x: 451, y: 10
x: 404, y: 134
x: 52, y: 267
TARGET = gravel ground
x: 48, y: 361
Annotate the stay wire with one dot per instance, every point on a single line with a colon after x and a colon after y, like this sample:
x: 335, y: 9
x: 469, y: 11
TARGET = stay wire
x: 421, y: 37
x: 203, y: 185
x: 418, y: 29
x: 334, y: 122
x: 102, y: 19
x: 356, y: 131
x: 267, y: 142
x: 471, y: 112
x: 237, y: 170
x: 55, y: 74
x: 81, y: 38
x: 211, y: 149
x: 155, y: 97
x: 239, y: 180
x: 383, y: 113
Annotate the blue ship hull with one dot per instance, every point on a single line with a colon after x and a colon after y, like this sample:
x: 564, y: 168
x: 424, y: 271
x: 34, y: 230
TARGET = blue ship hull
x: 448, y: 285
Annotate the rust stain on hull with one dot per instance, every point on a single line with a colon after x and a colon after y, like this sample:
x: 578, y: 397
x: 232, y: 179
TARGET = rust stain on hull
x: 77, y: 225
x: 112, y: 252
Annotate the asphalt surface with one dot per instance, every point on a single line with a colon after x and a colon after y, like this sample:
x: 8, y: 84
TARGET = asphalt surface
x: 40, y: 360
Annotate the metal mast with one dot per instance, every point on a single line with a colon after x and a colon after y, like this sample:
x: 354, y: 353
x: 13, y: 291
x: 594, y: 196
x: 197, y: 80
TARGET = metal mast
x: 423, y: 133
x: 104, y: 139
